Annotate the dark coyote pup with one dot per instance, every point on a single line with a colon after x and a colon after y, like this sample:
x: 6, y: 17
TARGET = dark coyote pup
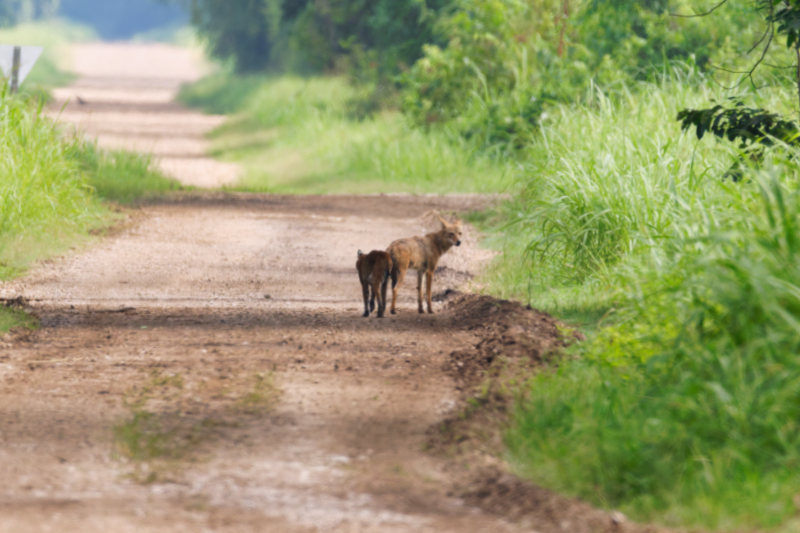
x: 421, y: 254
x: 374, y: 270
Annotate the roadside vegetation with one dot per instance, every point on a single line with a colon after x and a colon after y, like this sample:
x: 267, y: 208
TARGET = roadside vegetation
x: 676, y: 253
x: 294, y: 134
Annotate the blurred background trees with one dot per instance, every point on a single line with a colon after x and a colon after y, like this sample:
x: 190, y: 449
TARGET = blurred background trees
x: 492, y: 66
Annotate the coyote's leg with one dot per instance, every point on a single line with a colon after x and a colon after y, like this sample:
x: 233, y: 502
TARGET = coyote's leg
x: 419, y: 291
x: 372, y: 294
x: 398, y: 275
x: 365, y: 292
x: 376, y: 294
x: 428, y: 284
x: 382, y: 300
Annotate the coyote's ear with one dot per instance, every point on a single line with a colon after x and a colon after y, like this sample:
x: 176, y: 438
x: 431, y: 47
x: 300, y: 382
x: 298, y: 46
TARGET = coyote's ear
x: 443, y: 221
x: 360, y: 253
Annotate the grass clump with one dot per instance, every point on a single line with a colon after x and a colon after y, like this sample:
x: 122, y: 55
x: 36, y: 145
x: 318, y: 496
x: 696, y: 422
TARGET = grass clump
x: 261, y: 398
x: 303, y: 135
x: 50, y: 185
x: 150, y: 435
x: 120, y: 176
x: 45, y: 200
x: 12, y: 318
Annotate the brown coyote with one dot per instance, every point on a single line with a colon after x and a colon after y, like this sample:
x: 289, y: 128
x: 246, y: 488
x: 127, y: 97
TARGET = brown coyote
x: 421, y: 254
x: 374, y: 269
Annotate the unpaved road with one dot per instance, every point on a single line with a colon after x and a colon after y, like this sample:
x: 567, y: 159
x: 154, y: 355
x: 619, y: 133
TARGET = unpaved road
x: 183, y: 292
x: 124, y: 98
x: 222, y: 334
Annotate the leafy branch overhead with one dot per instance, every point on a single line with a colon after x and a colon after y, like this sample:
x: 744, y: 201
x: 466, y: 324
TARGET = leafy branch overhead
x: 754, y: 128
x: 746, y: 125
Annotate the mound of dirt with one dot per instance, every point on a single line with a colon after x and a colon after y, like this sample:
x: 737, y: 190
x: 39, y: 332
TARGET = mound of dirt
x: 514, y: 342
x: 507, y: 330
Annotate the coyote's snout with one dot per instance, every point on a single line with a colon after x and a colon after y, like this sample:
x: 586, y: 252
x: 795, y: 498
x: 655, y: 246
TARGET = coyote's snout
x: 374, y: 269
x: 421, y: 254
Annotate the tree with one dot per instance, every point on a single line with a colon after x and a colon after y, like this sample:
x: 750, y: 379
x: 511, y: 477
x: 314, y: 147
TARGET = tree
x: 255, y: 34
x: 243, y: 31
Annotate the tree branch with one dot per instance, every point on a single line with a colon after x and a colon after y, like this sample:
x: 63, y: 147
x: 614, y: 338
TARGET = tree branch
x: 700, y: 14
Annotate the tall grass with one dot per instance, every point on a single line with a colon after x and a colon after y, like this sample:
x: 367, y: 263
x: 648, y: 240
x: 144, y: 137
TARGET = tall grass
x: 607, y: 182
x: 307, y: 135
x: 687, y: 411
x: 42, y: 191
x: 684, y: 409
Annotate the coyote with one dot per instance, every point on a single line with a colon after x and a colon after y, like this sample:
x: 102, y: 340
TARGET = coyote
x: 374, y: 269
x: 421, y: 254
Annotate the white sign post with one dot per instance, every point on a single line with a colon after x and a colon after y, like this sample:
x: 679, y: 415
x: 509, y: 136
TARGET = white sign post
x: 16, y: 63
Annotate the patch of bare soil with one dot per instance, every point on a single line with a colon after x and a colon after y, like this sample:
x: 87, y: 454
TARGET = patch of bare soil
x: 511, y: 343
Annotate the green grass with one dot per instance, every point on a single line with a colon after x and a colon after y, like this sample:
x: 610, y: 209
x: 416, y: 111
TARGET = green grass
x: 45, y: 200
x: 304, y: 136
x: 122, y: 177
x: 11, y: 318
x: 261, y: 398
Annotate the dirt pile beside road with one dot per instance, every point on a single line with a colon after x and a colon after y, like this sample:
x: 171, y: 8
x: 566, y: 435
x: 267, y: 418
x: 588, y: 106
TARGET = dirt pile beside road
x: 512, y: 343
x: 507, y: 330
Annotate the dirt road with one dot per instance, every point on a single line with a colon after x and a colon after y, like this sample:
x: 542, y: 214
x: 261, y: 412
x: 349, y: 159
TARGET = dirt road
x: 206, y: 368
x: 215, y: 295
x: 125, y: 99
